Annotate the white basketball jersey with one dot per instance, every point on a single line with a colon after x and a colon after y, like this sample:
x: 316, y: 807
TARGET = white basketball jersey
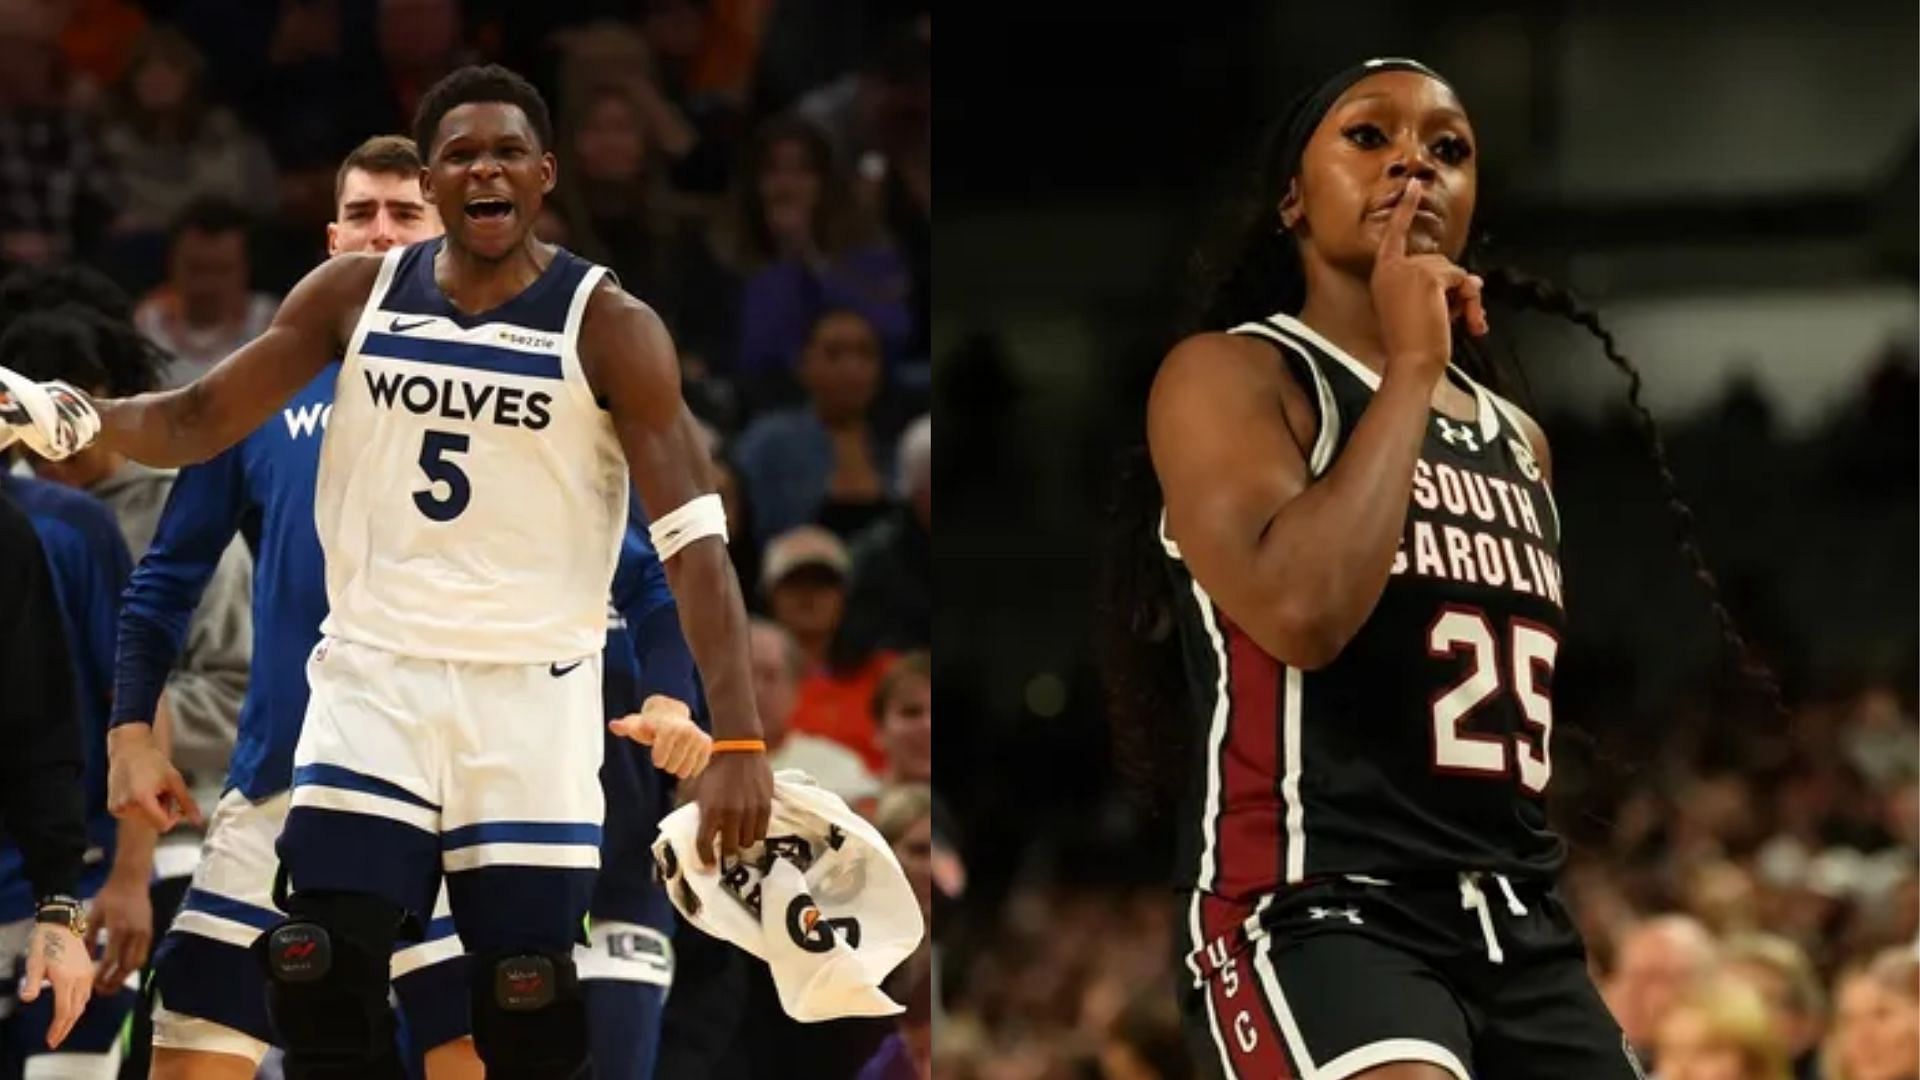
x: 472, y: 494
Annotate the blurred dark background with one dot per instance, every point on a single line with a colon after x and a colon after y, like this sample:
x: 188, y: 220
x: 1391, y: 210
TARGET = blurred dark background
x: 1732, y: 185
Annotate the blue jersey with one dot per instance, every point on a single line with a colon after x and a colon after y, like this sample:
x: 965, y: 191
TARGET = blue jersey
x: 89, y: 561
x: 261, y: 488
x: 645, y: 655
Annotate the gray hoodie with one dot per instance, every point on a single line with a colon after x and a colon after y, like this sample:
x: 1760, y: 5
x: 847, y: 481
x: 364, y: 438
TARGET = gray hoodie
x: 210, y: 681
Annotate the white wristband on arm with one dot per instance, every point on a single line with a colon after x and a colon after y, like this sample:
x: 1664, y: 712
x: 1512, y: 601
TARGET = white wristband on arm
x: 696, y: 519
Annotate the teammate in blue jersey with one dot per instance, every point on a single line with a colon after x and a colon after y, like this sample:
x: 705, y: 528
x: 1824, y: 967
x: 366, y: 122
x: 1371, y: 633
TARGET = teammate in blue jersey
x: 627, y: 968
x: 89, y: 563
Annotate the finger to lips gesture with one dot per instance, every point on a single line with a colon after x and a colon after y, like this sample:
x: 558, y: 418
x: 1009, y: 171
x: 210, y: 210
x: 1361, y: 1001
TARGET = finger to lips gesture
x: 1418, y: 296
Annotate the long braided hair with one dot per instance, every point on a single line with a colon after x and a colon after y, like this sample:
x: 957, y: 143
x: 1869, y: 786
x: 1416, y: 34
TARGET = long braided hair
x: 1250, y: 272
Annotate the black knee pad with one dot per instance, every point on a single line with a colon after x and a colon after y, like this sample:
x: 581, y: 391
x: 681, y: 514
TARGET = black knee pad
x: 529, y: 1020
x: 327, y: 969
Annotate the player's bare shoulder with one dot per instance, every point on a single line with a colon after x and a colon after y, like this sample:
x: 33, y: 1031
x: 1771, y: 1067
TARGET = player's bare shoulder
x: 332, y: 295
x: 624, y: 344
x: 1211, y: 373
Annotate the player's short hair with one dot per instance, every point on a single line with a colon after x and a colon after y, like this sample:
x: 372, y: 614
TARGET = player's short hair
x: 209, y: 214
x: 382, y: 155
x: 480, y: 83
x: 916, y: 666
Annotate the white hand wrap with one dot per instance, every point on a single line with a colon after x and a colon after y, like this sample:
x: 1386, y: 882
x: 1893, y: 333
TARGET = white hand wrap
x: 701, y: 517
x: 52, y: 418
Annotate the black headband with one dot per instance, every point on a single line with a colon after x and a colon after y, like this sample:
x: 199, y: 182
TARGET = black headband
x: 1308, y: 112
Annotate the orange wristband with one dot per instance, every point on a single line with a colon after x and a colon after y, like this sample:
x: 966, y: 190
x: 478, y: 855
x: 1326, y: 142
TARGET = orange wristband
x: 740, y: 746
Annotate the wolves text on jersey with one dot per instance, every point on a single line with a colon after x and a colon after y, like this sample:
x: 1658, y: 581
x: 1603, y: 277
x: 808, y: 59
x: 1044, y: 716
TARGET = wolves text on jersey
x: 458, y: 399
x: 1467, y: 551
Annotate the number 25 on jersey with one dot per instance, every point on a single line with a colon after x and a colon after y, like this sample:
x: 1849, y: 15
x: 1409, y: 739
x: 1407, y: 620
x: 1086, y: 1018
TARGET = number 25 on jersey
x: 1528, y: 657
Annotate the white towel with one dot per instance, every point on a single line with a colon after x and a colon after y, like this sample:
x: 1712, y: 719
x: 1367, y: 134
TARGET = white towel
x: 823, y: 900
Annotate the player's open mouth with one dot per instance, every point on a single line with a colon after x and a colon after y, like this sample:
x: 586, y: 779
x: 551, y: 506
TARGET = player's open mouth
x: 488, y: 208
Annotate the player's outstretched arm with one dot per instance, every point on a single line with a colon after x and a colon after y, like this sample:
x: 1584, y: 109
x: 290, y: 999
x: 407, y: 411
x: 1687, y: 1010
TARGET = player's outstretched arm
x: 631, y: 362
x: 191, y: 424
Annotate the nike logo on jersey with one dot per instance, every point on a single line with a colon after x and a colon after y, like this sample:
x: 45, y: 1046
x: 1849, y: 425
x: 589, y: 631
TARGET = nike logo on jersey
x: 399, y: 327
x: 556, y: 670
x: 457, y: 399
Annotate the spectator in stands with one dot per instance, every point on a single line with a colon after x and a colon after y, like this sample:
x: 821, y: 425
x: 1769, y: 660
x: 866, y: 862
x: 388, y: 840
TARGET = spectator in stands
x: 880, y: 118
x: 903, y: 716
x: 1655, y: 962
x: 890, y: 602
x: 1145, y: 1043
x: 169, y: 143
x: 206, y: 308
x: 57, y: 189
x: 907, y: 1054
x: 804, y: 577
x: 618, y: 211
x: 1876, y: 1019
x: 609, y: 188
x: 97, y: 44
x: 420, y: 41
x: 103, y: 356
x: 823, y: 461
x: 804, y: 249
x: 904, y: 816
x: 703, y: 61
x: 778, y: 665
x: 1719, y: 1030
x: 1783, y: 976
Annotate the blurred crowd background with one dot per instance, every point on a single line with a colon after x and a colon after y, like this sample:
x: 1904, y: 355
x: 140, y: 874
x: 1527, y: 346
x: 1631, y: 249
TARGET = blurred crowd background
x: 759, y: 171
x: 1733, y: 186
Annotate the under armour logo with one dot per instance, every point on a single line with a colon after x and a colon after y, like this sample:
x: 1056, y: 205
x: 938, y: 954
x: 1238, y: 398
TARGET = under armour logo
x: 1351, y: 914
x: 1457, y: 435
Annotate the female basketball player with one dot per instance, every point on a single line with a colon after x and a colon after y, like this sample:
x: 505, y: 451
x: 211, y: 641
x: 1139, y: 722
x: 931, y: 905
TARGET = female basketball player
x: 1357, y: 543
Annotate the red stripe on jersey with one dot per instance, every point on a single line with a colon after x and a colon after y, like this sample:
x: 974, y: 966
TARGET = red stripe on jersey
x: 1247, y: 847
x: 1245, y: 1027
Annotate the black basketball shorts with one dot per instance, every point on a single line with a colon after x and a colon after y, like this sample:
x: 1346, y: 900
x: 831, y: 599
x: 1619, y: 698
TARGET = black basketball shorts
x: 1485, y: 979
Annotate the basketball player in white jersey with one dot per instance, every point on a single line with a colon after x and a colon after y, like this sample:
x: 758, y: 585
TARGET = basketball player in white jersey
x: 472, y: 497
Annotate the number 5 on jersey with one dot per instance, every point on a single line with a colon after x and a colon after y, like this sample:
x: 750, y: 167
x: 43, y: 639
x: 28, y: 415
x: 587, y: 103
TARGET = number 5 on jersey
x: 440, y: 469
x: 1531, y: 651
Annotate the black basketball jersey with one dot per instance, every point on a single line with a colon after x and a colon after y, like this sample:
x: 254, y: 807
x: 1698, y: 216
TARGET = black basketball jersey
x: 1424, y: 746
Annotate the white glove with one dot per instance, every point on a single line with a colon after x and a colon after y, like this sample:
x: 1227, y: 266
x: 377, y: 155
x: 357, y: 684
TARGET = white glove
x: 52, y: 418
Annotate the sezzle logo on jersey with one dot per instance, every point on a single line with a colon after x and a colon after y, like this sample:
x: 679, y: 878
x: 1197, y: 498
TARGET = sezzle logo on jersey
x: 1465, y: 549
x: 543, y: 342
x: 457, y: 399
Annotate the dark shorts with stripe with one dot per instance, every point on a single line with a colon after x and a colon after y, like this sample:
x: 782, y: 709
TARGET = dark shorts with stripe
x: 1331, y: 978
